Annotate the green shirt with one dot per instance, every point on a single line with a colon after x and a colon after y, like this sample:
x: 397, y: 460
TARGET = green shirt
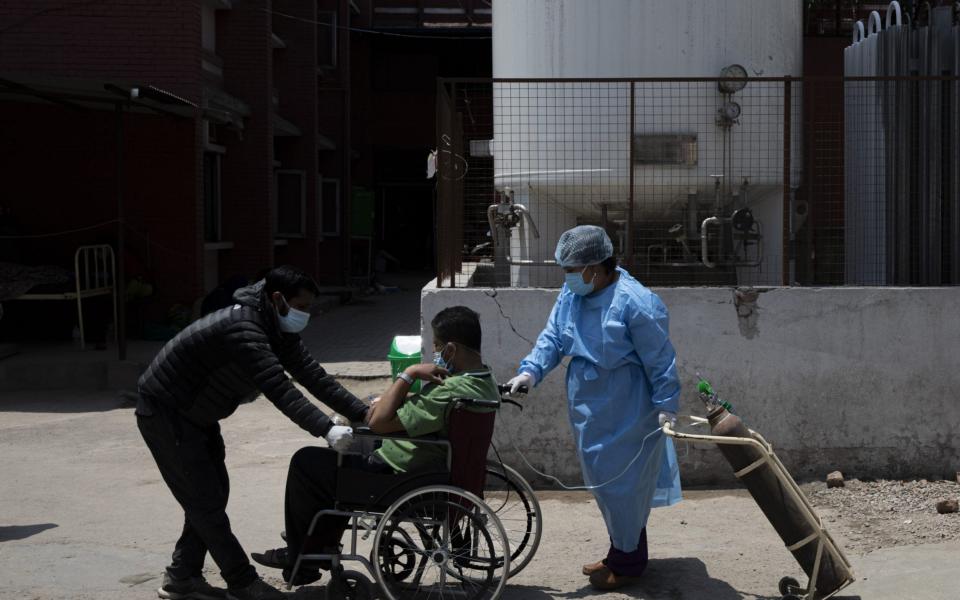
x: 427, y: 412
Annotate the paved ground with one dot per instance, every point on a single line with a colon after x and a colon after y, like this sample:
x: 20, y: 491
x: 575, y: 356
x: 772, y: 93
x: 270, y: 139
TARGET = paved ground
x: 353, y: 340
x: 86, y: 516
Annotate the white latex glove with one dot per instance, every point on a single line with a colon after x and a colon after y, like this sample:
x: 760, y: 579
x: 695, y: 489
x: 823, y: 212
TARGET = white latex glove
x: 667, y: 417
x: 523, y: 379
x: 339, y: 437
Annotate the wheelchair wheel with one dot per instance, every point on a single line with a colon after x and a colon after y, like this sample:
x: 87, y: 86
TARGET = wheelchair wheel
x: 440, y: 542
x: 516, y: 505
x: 349, y: 585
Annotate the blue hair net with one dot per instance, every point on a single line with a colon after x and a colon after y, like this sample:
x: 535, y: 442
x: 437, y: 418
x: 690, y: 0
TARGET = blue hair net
x: 583, y: 245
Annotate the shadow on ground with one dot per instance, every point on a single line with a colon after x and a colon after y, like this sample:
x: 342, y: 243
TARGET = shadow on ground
x: 62, y: 401
x: 362, y: 330
x: 664, y: 579
x: 8, y: 533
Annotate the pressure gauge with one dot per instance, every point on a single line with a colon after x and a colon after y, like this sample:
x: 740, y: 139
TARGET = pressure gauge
x: 730, y: 111
x: 732, y: 87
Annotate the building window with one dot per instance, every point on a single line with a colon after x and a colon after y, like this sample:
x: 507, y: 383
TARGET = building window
x: 291, y: 203
x: 329, y: 207
x: 326, y: 39
x: 211, y: 197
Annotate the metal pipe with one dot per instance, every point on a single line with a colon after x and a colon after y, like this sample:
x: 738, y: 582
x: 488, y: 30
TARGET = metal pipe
x: 874, y: 26
x: 120, y: 285
x: 529, y: 263
x: 526, y: 214
x: 894, y: 6
x: 858, y: 32
x: 692, y: 214
x: 491, y: 216
x: 785, y: 216
x: 629, y: 227
x: 704, y: 248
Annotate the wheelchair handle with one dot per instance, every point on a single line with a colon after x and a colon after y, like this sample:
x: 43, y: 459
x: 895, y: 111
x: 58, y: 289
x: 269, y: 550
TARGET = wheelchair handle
x: 504, y: 388
x: 494, y: 404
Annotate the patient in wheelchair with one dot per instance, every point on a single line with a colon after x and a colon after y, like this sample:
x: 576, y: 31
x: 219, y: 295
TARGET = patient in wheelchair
x: 457, y: 371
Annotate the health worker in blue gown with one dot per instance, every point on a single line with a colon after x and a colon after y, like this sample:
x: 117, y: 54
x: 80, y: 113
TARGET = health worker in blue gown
x: 622, y: 386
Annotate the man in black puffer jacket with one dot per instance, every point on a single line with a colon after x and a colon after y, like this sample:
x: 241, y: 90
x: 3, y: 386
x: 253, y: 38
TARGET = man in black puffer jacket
x: 223, y: 360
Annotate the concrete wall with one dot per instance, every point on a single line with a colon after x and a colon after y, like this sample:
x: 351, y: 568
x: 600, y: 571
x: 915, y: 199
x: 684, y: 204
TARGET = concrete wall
x: 857, y: 379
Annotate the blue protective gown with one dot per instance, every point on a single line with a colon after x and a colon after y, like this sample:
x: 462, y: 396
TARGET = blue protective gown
x: 622, y: 373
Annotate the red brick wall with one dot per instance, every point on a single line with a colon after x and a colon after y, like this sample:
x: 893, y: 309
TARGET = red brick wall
x: 244, y: 44
x: 60, y: 174
x: 156, y: 42
x: 295, y: 76
x: 61, y: 162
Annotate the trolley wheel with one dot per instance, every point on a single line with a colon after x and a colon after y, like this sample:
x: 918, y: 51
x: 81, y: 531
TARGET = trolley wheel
x: 789, y: 586
x: 350, y: 585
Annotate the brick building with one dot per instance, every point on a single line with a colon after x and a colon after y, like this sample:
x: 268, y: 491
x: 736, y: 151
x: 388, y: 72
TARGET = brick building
x: 262, y: 132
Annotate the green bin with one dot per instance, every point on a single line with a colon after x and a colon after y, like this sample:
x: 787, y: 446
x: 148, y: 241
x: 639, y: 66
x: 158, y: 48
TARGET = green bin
x: 404, y: 352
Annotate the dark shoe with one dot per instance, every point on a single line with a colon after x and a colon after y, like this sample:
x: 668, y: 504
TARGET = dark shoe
x: 606, y: 580
x: 305, y: 576
x: 193, y: 588
x: 258, y: 590
x: 278, y: 558
x: 593, y: 567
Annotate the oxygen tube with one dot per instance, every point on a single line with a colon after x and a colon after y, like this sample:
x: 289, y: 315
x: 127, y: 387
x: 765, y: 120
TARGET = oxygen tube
x: 707, y: 395
x: 574, y: 488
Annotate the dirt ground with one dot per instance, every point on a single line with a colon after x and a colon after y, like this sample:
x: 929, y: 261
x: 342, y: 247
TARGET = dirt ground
x: 881, y: 514
x: 84, y: 515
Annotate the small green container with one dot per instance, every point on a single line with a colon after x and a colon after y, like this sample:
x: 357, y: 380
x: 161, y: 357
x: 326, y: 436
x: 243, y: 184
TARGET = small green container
x: 405, y: 352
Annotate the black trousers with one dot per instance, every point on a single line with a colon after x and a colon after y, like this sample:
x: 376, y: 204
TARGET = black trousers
x: 312, y: 487
x: 191, y: 461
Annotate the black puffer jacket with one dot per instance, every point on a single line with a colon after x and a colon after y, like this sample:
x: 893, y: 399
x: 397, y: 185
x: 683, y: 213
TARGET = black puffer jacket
x: 230, y: 356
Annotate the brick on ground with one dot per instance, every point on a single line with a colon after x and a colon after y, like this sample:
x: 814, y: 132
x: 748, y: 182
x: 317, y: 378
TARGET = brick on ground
x: 835, y: 479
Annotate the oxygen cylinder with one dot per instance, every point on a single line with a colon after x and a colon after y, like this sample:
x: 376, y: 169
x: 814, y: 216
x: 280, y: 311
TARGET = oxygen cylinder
x: 782, y: 509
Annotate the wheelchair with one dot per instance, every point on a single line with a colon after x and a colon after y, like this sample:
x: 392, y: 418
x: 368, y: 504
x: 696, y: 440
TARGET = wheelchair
x: 457, y: 533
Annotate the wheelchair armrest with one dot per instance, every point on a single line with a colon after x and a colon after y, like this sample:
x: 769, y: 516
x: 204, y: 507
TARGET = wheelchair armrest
x: 364, y: 431
x: 399, y: 435
x: 433, y: 439
x: 478, y: 402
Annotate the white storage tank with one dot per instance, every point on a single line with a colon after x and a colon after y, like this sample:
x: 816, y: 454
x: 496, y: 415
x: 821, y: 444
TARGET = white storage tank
x: 563, y: 148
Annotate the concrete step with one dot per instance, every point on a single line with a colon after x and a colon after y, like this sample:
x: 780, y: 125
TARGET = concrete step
x: 59, y: 367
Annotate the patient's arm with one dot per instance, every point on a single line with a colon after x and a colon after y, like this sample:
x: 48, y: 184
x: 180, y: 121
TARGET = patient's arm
x: 382, y: 416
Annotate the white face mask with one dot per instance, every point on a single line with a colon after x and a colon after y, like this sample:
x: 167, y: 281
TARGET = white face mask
x: 294, y: 321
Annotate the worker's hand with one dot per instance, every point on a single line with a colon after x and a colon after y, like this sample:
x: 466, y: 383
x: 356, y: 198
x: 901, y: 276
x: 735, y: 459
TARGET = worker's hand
x: 427, y: 372
x: 524, y: 379
x: 339, y: 437
x: 667, y: 417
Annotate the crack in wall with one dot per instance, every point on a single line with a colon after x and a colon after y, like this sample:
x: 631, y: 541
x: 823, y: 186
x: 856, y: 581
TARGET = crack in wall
x: 492, y: 294
x: 748, y: 311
